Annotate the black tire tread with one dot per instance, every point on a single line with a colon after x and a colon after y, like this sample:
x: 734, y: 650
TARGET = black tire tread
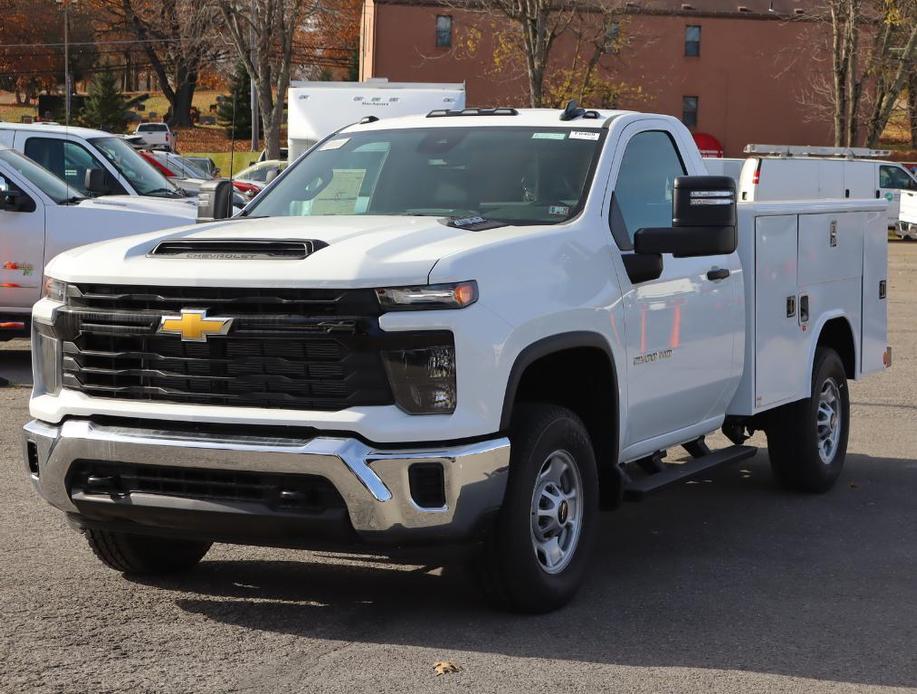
x: 143, y: 555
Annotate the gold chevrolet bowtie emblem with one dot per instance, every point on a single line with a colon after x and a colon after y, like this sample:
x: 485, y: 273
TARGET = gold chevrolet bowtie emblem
x: 193, y: 325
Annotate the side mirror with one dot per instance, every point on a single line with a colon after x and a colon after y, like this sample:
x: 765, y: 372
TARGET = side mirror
x: 214, y: 201
x: 16, y: 201
x: 703, y: 220
x: 97, y: 181
x: 271, y: 175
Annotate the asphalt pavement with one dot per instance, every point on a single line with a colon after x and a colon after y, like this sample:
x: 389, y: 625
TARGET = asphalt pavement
x: 724, y: 585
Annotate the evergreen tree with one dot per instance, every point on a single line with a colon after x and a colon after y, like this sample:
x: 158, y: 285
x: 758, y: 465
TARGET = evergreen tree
x: 105, y: 108
x: 240, y: 92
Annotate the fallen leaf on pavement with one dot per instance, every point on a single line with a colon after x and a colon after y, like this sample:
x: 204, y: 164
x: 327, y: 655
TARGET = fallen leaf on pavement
x: 444, y: 667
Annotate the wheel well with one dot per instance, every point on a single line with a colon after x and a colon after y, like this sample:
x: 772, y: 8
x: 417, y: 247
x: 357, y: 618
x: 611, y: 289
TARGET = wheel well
x: 583, y: 380
x: 837, y: 335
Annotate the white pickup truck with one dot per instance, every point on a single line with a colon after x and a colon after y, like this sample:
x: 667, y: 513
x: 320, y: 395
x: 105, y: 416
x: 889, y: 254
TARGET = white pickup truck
x: 41, y: 216
x: 470, y: 327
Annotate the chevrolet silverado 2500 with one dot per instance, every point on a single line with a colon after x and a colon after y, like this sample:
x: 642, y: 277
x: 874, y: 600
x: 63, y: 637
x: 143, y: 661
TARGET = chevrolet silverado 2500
x: 470, y: 327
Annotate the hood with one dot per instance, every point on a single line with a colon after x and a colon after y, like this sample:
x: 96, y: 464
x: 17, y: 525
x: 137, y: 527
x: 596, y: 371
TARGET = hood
x: 361, y: 251
x: 185, y: 208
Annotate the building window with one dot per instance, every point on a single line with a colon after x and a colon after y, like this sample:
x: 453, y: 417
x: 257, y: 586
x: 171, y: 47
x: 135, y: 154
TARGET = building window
x: 692, y: 40
x: 689, y: 111
x: 443, y: 31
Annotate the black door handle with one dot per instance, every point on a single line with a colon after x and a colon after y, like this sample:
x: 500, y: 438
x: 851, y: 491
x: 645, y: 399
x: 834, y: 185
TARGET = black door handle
x: 718, y: 274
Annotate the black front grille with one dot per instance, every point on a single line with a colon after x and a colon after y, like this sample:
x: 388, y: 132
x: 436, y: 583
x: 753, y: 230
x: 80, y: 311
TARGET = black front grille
x: 298, y: 349
x: 278, y: 492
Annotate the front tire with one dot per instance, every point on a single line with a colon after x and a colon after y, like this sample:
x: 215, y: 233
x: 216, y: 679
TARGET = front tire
x: 807, y: 440
x: 143, y: 555
x: 537, y: 554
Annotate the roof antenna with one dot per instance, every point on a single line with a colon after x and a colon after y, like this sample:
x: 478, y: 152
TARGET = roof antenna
x: 572, y: 110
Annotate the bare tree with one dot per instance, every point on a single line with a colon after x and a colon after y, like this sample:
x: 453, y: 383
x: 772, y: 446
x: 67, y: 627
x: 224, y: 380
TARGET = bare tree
x: 873, y: 51
x: 263, y: 33
x: 912, y: 107
x: 178, y: 39
x: 529, y: 30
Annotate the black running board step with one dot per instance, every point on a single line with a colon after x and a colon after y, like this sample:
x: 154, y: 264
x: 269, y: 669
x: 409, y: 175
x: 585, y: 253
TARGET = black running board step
x: 634, y: 490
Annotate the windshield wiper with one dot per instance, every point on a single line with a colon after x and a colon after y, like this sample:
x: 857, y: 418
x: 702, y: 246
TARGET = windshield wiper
x: 73, y: 200
x: 172, y: 193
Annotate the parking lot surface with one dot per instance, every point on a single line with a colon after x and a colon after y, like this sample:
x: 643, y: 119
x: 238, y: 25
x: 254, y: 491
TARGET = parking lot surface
x: 725, y: 585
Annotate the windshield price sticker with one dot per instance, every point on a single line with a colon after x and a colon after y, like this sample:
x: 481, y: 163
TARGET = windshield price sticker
x: 549, y: 136
x: 334, y: 144
x: 558, y: 210
x: 584, y: 135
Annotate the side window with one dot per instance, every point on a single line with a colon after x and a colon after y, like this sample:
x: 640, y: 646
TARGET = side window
x: 643, y: 192
x: 67, y: 160
x: 893, y: 177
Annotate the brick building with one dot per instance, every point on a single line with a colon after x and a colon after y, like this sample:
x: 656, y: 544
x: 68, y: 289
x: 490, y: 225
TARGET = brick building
x: 734, y: 69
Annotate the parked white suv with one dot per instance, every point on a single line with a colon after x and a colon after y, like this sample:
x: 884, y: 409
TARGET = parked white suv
x: 157, y: 135
x: 471, y: 327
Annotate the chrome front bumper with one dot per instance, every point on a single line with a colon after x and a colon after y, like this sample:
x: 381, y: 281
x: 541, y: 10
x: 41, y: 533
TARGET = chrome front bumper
x: 373, y: 483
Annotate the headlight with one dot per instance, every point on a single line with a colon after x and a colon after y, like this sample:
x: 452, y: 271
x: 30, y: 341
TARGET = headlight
x: 429, y: 296
x: 422, y: 379
x: 54, y: 289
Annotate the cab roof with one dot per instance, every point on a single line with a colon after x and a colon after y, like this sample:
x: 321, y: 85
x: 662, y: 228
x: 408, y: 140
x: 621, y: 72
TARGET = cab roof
x: 85, y: 133
x: 501, y: 117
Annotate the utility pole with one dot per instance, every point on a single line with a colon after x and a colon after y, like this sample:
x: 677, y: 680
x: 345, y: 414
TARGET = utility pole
x: 65, y: 4
x: 253, y: 91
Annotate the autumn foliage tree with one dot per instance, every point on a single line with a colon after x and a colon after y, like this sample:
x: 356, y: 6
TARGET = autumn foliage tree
x: 179, y: 38
x: 31, y: 54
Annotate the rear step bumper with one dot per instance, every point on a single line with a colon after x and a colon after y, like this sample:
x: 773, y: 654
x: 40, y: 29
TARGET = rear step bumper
x: 636, y: 489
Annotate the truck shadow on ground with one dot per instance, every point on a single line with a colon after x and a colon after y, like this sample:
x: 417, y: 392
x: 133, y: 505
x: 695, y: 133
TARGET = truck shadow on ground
x: 726, y: 573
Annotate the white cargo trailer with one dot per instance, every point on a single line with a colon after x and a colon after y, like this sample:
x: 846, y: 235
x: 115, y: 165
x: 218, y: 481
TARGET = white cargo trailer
x: 317, y: 109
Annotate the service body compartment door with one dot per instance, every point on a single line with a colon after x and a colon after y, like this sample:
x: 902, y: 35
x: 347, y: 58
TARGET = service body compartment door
x: 780, y: 355
x: 874, y: 338
x: 830, y: 247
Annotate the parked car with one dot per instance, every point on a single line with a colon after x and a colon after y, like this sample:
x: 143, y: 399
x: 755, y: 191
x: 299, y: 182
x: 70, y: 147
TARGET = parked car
x: 180, y: 166
x: 255, y: 178
x: 205, y: 164
x: 907, y: 217
x: 779, y: 172
x: 90, y: 161
x: 284, y: 155
x: 460, y: 328
x: 157, y: 134
x: 41, y: 215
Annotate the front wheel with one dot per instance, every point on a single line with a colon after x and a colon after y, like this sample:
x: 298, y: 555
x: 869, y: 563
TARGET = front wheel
x: 807, y: 440
x: 537, y: 554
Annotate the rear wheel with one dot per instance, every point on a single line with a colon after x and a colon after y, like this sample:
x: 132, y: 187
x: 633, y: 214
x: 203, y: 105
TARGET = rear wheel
x: 145, y: 555
x: 807, y: 440
x: 537, y: 554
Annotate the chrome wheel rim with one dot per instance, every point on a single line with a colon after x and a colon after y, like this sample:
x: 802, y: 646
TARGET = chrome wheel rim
x: 556, y: 512
x: 828, y: 421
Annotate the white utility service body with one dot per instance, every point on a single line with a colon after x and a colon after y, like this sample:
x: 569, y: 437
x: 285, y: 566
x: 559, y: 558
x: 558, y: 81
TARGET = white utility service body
x: 317, y: 109
x: 50, y: 225
x: 625, y: 319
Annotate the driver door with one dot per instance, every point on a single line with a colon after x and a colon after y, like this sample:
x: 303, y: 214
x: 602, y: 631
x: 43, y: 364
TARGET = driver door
x: 22, y: 243
x: 681, y: 329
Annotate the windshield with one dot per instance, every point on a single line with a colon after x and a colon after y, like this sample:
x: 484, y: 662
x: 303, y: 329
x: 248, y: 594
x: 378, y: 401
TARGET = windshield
x: 144, y: 178
x: 41, y: 178
x: 512, y: 175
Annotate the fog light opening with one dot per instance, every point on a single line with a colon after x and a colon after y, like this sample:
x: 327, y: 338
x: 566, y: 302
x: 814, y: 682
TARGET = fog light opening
x: 427, y: 483
x: 31, y: 449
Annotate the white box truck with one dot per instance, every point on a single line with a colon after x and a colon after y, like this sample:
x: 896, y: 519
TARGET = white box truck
x: 317, y: 109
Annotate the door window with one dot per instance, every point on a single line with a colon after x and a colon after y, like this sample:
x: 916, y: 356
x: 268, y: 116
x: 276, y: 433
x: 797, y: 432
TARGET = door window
x: 896, y: 178
x: 643, y: 193
x: 68, y: 161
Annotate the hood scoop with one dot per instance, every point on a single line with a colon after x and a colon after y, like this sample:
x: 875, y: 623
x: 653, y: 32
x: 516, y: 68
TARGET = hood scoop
x: 229, y: 249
